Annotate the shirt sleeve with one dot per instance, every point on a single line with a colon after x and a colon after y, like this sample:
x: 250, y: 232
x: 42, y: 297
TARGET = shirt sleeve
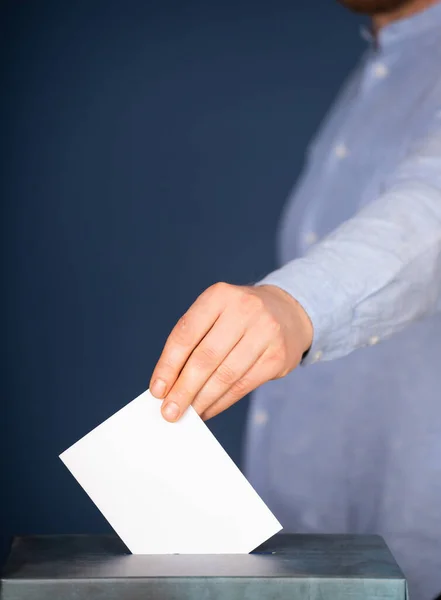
x: 379, y: 271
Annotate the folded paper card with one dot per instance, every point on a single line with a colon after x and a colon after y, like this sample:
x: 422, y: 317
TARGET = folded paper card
x: 168, y: 488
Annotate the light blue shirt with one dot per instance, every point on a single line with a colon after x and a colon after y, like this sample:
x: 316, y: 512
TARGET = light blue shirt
x: 353, y: 443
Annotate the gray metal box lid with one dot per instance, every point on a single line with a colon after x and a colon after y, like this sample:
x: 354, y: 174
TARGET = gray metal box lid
x: 294, y: 567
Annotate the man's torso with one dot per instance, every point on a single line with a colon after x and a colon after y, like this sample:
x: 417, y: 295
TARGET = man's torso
x: 355, y: 445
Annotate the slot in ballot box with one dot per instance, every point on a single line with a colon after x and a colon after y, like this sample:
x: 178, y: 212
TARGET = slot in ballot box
x: 287, y: 567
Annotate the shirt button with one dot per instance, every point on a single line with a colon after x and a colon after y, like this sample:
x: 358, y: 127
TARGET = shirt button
x: 373, y: 340
x: 311, y: 238
x: 317, y: 356
x: 381, y: 71
x: 260, y: 417
x: 340, y: 151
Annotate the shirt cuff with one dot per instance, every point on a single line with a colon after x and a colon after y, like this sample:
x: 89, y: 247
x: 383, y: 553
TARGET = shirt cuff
x: 325, y: 302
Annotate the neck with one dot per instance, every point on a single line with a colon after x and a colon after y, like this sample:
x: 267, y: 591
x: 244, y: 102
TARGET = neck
x: 407, y: 10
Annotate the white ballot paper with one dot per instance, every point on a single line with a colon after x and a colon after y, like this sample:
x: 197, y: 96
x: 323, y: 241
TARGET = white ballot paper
x: 168, y: 488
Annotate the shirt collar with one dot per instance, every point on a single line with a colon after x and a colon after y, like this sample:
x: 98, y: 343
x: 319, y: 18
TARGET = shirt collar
x: 419, y: 24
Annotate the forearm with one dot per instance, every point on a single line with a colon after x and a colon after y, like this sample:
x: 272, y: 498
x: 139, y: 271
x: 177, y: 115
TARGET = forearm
x: 379, y: 271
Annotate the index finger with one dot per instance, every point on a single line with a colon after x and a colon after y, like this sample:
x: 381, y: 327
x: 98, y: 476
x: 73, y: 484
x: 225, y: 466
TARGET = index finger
x: 185, y: 336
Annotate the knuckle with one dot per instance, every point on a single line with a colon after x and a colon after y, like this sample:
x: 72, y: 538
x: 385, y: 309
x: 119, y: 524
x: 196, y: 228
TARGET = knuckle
x: 205, y: 356
x: 225, y: 374
x: 181, y: 395
x: 200, y: 405
x: 278, y: 355
x: 283, y: 370
x: 280, y: 361
x: 272, y: 324
x: 166, y: 365
x: 220, y: 288
x: 251, y: 303
x: 240, y: 388
x: 181, y: 332
x: 283, y: 373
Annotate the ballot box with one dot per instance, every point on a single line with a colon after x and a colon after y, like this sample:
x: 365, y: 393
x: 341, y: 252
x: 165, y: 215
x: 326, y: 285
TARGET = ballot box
x: 287, y: 567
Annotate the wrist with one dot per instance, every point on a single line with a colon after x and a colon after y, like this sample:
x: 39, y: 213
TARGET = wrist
x: 304, y: 326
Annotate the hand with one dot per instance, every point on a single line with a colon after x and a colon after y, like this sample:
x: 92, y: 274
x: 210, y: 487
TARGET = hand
x: 230, y: 341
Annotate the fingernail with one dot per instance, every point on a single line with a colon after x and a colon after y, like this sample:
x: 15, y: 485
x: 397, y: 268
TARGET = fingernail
x: 158, y: 388
x: 171, y: 411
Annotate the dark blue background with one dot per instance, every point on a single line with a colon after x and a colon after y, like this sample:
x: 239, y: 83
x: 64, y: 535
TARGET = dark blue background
x: 147, y: 149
